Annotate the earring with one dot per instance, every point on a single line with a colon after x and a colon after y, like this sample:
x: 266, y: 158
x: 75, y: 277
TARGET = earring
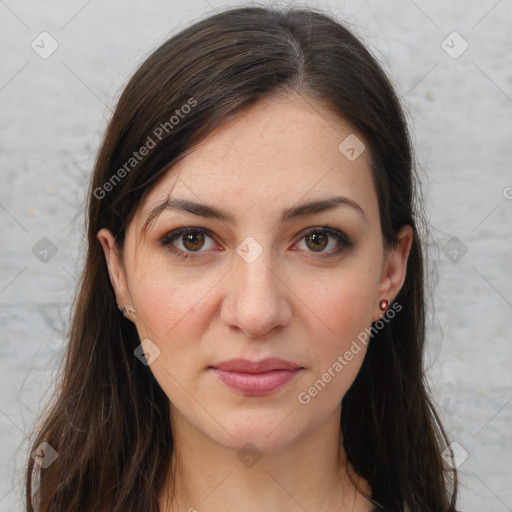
x: 126, y: 311
x: 383, y: 305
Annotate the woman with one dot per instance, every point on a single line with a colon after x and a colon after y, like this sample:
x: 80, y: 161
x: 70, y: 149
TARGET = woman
x: 249, y: 328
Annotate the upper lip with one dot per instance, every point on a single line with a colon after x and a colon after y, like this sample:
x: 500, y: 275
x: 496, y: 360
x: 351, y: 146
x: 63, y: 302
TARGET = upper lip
x: 247, y: 366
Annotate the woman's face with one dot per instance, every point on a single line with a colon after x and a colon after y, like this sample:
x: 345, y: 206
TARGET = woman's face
x: 284, y: 274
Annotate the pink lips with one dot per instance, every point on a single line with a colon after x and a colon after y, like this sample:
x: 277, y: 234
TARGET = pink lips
x: 256, y: 378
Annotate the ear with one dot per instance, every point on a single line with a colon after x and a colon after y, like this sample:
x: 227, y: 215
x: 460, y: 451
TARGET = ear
x: 116, y: 271
x: 394, y: 270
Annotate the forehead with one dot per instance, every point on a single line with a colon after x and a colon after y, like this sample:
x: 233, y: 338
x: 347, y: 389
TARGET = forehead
x: 280, y: 151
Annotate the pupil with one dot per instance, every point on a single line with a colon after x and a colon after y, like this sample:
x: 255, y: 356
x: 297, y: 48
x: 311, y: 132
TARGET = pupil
x: 317, y: 240
x: 192, y: 238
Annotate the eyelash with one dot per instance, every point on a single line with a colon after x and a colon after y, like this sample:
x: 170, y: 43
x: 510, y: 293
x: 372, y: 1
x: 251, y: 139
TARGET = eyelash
x: 344, y: 241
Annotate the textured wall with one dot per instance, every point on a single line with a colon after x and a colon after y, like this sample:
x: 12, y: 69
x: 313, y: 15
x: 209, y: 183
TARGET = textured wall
x: 457, y: 88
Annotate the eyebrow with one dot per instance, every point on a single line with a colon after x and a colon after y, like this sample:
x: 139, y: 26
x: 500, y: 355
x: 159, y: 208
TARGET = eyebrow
x: 208, y: 211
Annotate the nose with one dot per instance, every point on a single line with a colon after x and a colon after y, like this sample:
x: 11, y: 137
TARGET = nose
x: 257, y: 299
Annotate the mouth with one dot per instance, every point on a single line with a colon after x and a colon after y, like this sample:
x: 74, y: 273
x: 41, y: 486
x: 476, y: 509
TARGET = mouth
x: 256, y: 378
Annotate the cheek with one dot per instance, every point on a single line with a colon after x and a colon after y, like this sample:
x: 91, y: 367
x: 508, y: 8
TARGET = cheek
x: 343, y: 304
x: 164, y: 299
x: 338, y: 313
x: 166, y: 314
x: 173, y: 311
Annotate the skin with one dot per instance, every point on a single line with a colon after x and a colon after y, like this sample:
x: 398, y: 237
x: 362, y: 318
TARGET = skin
x: 290, y: 302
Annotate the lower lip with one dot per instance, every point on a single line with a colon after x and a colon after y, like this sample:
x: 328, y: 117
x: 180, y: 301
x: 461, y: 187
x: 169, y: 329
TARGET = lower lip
x: 256, y: 384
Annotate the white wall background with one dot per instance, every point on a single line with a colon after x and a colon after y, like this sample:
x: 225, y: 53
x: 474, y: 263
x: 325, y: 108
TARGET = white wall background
x: 54, y: 110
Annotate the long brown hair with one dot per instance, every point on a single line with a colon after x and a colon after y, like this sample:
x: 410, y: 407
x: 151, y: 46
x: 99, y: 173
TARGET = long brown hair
x: 109, y: 420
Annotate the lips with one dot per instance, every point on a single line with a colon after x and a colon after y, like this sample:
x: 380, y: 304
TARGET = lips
x: 246, y: 366
x: 255, y: 378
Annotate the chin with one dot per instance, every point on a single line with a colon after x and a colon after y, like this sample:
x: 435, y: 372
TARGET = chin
x: 267, y: 433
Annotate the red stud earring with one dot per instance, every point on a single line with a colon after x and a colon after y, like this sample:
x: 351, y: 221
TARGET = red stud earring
x: 383, y: 305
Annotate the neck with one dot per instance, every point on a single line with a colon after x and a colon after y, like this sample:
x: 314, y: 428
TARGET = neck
x: 309, y: 474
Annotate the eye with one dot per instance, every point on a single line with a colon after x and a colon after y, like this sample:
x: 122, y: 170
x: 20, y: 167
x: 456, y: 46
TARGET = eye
x: 188, y: 241
x: 318, y: 239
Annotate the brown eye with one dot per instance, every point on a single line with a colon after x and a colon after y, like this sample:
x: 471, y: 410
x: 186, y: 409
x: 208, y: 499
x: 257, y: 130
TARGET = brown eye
x: 188, y: 242
x: 193, y: 241
x: 317, y: 241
